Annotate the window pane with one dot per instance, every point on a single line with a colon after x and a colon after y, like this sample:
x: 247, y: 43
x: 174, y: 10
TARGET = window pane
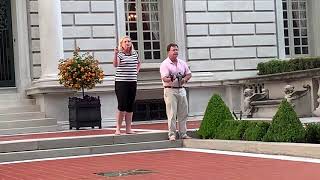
x: 297, y: 50
x: 135, y: 44
x: 303, y: 23
x: 285, y: 24
x: 296, y: 41
x: 304, y: 32
x: 132, y: 6
x: 304, y: 41
x: 296, y: 32
x: 146, y: 36
x: 133, y: 26
x: 156, y: 45
x: 147, y: 45
x: 284, y: 6
x: 295, y: 5
x: 285, y: 15
x: 155, y: 36
x: 295, y: 23
x: 303, y: 14
x: 154, y: 6
x: 286, y: 40
x: 145, y: 6
x: 156, y: 55
x: 286, y: 33
x: 146, y: 26
x: 134, y: 36
x: 287, y: 51
x: 155, y: 26
x: 145, y: 17
x: 305, y: 50
x: 295, y: 14
x: 147, y: 55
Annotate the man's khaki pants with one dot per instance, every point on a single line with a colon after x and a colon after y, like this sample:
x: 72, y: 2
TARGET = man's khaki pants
x: 177, y: 109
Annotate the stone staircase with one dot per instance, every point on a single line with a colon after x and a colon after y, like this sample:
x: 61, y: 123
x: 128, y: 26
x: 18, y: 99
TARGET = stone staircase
x: 19, y: 115
x: 30, y: 149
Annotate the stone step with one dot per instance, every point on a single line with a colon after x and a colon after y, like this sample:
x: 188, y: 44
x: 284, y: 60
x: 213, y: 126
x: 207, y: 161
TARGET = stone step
x: 28, y: 130
x: 126, y: 146
x: 78, y: 141
x: 20, y: 109
x: 8, y: 90
x: 16, y: 102
x: 21, y: 116
x: 27, y: 123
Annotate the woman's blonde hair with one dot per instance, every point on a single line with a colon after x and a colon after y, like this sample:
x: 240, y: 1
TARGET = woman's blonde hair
x: 121, y: 41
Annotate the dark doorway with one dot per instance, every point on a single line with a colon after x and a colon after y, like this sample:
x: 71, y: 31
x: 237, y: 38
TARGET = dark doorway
x: 150, y: 109
x: 7, y: 78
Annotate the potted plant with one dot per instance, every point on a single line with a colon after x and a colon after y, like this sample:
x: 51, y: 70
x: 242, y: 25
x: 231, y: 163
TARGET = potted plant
x: 81, y: 72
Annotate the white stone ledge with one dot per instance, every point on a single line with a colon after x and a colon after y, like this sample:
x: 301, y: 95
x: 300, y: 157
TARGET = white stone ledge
x: 244, y: 64
x: 289, y: 149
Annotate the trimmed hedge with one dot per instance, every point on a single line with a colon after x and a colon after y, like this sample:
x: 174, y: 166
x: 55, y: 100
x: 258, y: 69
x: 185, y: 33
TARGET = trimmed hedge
x: 256, y: 131
x: 216, y: 112
x: 313, y: 133
x: 280, y: 66
x: 285, y: 126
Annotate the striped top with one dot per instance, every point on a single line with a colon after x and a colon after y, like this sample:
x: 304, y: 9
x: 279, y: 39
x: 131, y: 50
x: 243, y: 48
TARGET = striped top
x: 127, y: 67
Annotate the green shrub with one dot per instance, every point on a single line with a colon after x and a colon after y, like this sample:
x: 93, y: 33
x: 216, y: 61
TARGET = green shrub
x: 279, y: 66
x: 256, y: 131
x: 285, y: 126
x: 228, y: 130
x: 313, y: 133
x: 216, y: 112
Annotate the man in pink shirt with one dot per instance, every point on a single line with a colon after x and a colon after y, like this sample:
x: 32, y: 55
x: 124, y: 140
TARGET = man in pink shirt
x: 175, y: 73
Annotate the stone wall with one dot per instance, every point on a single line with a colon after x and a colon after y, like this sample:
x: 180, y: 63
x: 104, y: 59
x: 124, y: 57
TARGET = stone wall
x: 230, y: 35
x: 88, y: 24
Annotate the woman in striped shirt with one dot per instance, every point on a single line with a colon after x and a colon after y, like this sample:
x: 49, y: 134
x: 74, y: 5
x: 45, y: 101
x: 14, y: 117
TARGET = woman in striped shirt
x: 127, y: 62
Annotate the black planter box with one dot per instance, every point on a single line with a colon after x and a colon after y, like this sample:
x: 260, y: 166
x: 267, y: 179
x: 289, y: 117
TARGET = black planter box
x: 84, y: 112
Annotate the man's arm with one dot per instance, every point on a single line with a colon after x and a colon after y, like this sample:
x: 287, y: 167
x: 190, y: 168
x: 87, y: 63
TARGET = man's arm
x: 186, y: 78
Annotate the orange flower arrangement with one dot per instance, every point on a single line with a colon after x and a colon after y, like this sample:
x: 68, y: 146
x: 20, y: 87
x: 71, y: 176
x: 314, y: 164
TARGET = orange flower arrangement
x: 80, y: 71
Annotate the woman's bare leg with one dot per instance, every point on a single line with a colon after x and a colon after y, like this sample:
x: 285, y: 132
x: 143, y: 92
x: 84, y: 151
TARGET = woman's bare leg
x: 120, y: 115
x: 128, y: 119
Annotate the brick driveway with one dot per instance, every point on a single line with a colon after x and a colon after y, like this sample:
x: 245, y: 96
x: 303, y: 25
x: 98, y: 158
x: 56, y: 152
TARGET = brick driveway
x: 168, y: 164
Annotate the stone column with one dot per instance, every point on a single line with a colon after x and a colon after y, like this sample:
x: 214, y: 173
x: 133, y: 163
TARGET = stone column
x: 51, y: 41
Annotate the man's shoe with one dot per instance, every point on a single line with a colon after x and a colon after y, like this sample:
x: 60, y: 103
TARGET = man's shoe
x: 186, y: 137
x: 172, y: 138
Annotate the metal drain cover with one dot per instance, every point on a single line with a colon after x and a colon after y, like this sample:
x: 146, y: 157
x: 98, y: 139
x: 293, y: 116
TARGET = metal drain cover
x: 125, y: 173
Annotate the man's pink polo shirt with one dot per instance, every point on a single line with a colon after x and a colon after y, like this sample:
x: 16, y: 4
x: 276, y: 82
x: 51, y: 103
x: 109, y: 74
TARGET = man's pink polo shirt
x: 167, y: 67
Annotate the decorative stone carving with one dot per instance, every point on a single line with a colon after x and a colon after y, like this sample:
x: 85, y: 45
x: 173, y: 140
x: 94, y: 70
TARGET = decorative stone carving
x: 291, y: 94
x: 250, y: 96
x: 317, y: 110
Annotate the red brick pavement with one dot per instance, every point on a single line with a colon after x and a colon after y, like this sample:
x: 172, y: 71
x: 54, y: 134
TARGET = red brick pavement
x: 166, y: 165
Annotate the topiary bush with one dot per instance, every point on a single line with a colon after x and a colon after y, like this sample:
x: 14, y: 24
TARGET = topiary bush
x: 313, y: 133
x: 228, y: 130
x: 216, y: 112
x: 256, y: 131
x: 285, y: 126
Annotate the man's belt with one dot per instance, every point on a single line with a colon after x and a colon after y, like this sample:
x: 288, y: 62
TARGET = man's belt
x: 172, y: 87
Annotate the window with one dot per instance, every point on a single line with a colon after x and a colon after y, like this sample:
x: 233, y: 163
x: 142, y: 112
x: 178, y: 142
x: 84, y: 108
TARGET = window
x: 143, y: 26
x: 152, y: 109
x: 295, y: 21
